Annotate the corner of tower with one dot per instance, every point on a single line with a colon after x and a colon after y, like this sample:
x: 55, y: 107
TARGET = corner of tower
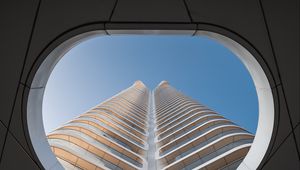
x: 140, y: 84
x: 163, y: 83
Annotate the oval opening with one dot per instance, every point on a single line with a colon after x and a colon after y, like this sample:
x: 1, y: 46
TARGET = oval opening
x: 261, y: 85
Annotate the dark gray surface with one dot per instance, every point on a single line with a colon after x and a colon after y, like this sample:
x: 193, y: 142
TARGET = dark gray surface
x: 269, y: 29
x: 2, y: 135
x: 18, y: 123
x: 285, y: 157
x: 284, y: 127
x: 14, y: 157
x: 297, y: 132
x: 283, y: 23
x: 16, y: 23
x: 150, y: 11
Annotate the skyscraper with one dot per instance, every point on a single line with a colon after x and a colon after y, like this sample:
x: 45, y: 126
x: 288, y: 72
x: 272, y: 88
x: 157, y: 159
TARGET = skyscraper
x: 141, y: 129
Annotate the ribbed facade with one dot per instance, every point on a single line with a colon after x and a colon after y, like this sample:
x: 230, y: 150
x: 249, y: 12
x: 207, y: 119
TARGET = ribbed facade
x: 191, y: 136
x: 140, y: 129
x: 112, y: 135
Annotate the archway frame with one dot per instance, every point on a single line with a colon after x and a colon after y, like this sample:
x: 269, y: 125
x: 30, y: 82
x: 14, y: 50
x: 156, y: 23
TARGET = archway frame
x: 248, y: 55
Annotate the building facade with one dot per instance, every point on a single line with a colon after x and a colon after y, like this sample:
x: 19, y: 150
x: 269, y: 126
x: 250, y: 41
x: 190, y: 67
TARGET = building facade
x: 143, y: 129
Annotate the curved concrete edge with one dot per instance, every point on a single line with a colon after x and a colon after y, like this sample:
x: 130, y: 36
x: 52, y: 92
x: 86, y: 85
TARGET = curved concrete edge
x: 265, y: 100
x: 265, y: 96
x: 264, y: 131
x: 35, y: 99
x: 37, y: 132
x: 43, y: 73
x: 149, y: 32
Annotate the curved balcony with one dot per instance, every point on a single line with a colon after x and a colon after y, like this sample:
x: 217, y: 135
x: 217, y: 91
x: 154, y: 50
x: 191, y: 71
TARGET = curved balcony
x: 85, y: 141
x: 103, y: 127
x: 208, y: 134
x: 198, y: 156
x: 193, y: 120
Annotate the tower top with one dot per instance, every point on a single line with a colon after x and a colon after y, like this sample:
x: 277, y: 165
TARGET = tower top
x: 139, y: 83
x: 163, y: 83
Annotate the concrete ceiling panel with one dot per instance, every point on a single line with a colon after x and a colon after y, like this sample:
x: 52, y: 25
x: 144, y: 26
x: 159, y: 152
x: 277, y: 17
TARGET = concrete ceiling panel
x: 17, y: 19
x: 283, y: 24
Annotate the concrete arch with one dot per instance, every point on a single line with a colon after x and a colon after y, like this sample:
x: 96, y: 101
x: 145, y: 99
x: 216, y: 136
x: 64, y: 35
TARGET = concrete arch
x: 264, y: 91
x: 268, y: 29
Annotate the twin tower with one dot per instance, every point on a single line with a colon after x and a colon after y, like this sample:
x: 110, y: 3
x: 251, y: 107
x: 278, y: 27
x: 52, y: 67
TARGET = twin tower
x: 143, y: 129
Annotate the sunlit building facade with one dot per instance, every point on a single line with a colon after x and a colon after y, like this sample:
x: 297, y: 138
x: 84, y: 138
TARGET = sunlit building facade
x: 143, y: 129
x: 192, y: 136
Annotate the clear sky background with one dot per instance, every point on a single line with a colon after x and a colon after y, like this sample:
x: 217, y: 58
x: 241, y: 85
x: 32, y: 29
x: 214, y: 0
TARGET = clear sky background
x: 101, y: 67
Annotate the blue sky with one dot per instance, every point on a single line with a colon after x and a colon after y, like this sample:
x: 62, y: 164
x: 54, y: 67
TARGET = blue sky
x: 101, y: 67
